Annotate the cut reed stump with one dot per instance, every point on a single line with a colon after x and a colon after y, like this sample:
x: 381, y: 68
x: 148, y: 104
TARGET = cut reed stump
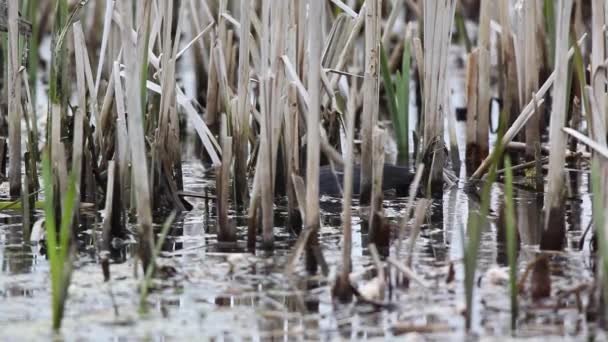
x: 554, y: 232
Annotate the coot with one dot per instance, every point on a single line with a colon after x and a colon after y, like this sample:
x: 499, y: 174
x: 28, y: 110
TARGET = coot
x: 394, y: 177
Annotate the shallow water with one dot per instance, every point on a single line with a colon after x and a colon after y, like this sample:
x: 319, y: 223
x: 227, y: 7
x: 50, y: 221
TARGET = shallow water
x: 237, y: 295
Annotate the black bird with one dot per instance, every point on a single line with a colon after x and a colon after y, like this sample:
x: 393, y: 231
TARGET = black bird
x: 394, y: 177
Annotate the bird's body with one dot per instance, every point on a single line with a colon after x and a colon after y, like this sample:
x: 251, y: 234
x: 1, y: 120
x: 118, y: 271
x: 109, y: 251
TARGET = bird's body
x: 397, y: 178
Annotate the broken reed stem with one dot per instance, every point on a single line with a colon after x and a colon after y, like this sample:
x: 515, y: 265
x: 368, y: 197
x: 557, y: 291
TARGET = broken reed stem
x: 554, y: 218
x: 14, y: 101
x: 242, y: 118
x: 370, y: 96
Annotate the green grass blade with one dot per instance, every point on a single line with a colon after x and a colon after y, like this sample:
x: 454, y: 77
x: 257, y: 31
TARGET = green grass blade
x: 511, y: 241
x: 388, y: 84
x: 69, y: 201
x: 56, y: 267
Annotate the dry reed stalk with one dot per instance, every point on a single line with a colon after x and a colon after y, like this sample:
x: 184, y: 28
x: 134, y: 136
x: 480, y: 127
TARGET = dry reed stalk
x: 371, y: 96
x: 14, y: 101
x: 471, y: 93
x: 79, y: 116
x: 227, y: 232
x: 279, y: 35
x: 123, y: 147
x: 483, y: 85
x: 438, y: 19
x: 292, y: 155
x: 264, y: 165
x: 242, y: 121
x: 31, y: 123
x: 348, y: 194
x: 166, y: 163
x: 529, y: 51
x: 598, y: 53
x: 379, y: 234
x: 133, y: 55
x: 212, y: 91
x: 303, y: 31
x: 107, y: 28
x: 555, y: 229
x: 311, y: 220
x: 347, y: 50
x: 522, y: 119
x: 508, y: 80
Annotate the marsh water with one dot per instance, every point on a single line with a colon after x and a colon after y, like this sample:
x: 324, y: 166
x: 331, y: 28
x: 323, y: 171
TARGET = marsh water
x: 226, y: 293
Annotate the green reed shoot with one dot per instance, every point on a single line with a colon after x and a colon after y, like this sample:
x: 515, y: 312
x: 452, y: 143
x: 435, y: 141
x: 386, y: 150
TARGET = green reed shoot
x: 599, y: 218
x: 147, y: 281
x: 511, y: 240
x: 398, y: 98
x: 58, y: 247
